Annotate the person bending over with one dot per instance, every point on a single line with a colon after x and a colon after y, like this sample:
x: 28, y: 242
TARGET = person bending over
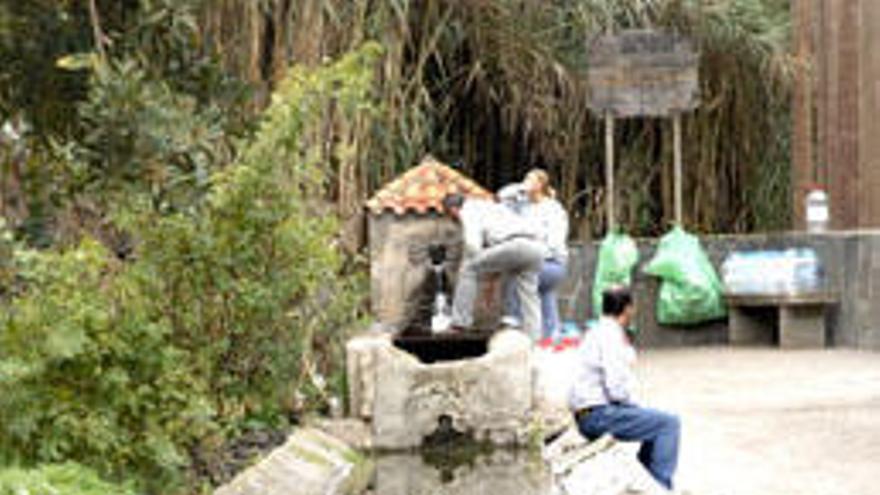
x: 496, y: 240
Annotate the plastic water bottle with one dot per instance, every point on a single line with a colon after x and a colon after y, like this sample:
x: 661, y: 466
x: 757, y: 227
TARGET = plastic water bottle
x: 788, y: 267
x: 759, y: 283
x: 734, y: 272
x: 742, y: 280
x: 729, y: 272
x: 807, y: 278
x: 773, y: 266
x: 817, y: 211
x: 760, y: 273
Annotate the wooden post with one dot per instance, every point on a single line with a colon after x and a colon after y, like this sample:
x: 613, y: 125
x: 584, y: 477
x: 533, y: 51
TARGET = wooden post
x: 676, y: 145
x: 609, y: 171
x: 802, y: 148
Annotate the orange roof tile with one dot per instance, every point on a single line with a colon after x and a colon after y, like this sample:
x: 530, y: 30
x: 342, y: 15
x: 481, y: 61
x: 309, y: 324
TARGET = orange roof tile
x: 423, y: 188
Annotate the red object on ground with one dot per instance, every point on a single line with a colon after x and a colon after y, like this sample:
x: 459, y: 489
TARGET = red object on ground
x: 566, y: 343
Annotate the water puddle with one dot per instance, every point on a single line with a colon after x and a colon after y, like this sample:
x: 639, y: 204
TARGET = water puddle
x: 461, y: 471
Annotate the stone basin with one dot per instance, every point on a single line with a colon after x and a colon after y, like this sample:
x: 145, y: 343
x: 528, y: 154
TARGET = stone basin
x: 488, y: 397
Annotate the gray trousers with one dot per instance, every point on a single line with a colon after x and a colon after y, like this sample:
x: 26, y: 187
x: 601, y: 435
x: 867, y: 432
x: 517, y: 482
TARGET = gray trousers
x: 519, y: 259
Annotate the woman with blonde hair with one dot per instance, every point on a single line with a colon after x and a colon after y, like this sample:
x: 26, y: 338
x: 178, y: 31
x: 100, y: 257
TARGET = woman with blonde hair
x: 535, y: 199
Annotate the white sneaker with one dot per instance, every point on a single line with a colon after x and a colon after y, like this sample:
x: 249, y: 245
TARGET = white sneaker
x: 510, y: 322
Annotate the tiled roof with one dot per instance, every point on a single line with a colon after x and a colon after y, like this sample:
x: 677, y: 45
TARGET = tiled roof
x: 423, y: 188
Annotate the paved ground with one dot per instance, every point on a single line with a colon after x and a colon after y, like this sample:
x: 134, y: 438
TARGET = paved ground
x: 771, y: 422
x: 756, y: 422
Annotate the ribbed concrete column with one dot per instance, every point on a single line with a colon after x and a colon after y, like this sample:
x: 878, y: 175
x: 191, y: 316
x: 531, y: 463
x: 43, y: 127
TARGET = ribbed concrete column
x: 847, y: 108
x: 802, y: 170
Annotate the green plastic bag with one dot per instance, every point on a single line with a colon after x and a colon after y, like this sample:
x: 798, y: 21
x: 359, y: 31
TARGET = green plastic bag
x: 618, y: 255
x: 690, y: 291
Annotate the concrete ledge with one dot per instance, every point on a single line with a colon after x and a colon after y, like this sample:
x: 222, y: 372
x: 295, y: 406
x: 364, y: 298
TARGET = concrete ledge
x: 309, y: 463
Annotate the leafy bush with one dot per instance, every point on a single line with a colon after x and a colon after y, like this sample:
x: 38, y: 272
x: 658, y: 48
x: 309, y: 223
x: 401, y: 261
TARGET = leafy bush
x: 131, y: 367
x: 250, y: 281
x: 57, y: 479
x: 145, y: 137
x: 87, y: 372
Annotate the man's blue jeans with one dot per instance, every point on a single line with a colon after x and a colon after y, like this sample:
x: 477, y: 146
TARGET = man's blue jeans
x: 658, y: 431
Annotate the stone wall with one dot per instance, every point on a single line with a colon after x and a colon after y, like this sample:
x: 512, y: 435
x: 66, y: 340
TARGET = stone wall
x: 400, y: 275
x: 490, y: 398
x: 852, y: 267
x: 399, y: 271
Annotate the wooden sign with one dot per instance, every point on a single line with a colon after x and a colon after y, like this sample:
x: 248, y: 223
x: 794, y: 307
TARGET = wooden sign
x: 643, y: 73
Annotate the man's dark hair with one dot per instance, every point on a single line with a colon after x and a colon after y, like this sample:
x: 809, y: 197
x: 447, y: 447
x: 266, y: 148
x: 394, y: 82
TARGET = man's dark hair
x: 615, y: 300
x: 453, y: 200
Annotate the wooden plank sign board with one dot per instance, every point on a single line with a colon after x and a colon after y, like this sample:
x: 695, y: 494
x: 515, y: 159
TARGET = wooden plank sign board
x: 643, y: 73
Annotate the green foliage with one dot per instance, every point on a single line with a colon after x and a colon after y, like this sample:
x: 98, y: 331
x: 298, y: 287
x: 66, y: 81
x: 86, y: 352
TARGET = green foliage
x: 253, y: 277
x: 147, y: 111
x: 8, y: 268
x: 161, y: 116
x: 57, y: 479
x: 130, y: 367
x: 161, y: 37
x: 87, y: 374
x: 498, y: 86
x: 145, y: 138
x: 30, y: 83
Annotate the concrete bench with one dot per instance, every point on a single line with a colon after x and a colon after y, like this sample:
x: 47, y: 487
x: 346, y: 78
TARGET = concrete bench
x: 799, y: 318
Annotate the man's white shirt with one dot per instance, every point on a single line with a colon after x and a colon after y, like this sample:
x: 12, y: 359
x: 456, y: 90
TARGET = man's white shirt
x: 604, y: 370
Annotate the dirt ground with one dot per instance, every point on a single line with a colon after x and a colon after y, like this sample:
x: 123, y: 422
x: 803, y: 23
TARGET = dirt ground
x: 766, y: 421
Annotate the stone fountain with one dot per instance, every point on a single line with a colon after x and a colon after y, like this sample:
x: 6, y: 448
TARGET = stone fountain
x: 407, y: 381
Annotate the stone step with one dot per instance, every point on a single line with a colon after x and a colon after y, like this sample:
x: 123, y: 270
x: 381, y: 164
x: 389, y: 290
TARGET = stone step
x: 602, y: 467
x: 310, y: 462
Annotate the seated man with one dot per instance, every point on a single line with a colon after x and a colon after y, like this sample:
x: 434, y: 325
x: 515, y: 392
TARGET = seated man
x: 496, y: 240
x: 601, y: 396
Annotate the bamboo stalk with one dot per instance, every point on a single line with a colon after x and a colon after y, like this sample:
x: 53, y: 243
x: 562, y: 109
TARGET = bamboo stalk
x: 96, y: 31
x: 461, y: 78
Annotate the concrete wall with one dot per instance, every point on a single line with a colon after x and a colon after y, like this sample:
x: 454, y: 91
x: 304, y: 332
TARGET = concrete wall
x: 401, y: 282
x: 852, y: 267
x: 399, y: 263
